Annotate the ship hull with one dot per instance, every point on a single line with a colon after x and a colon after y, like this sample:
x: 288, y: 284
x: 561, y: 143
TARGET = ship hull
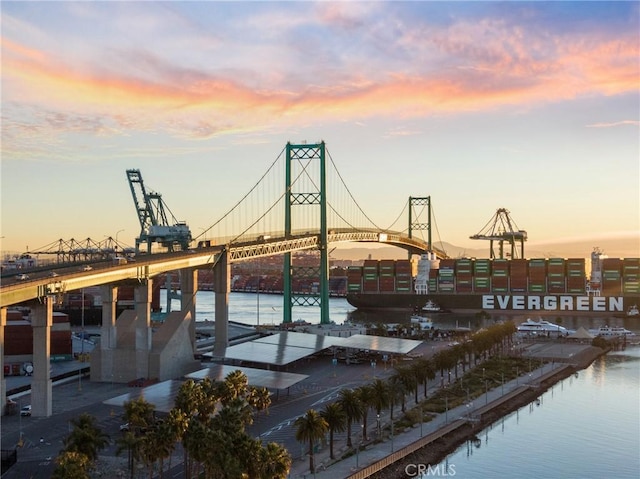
x: 561, y: 303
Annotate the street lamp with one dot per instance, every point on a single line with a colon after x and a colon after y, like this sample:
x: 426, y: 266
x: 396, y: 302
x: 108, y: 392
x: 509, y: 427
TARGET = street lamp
x: 486, y: 393
x: 373, y: 367
x: 117, y: 233
x: 358, y: 448
x: 82, y: 325
x: 391, y: 436
x: 446, y: 409
x: 378, y: 424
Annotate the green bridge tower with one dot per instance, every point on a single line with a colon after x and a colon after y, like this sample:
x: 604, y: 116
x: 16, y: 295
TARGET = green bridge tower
x: 308, y: 154
x: 414, y: 223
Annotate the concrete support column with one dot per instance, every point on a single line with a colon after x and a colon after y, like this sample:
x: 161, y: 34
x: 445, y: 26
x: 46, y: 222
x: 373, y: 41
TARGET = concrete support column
x: 41, y: 387
x: 3, y: 381
x: 143, y: 338
x: 108, y: 332
x: 221, y: 275
x: 142, y: 296
x: 189, y: 288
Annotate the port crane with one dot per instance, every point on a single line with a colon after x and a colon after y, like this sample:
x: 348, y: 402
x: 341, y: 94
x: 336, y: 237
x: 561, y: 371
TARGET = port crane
x: 154, y: 222
x: 502, y: 228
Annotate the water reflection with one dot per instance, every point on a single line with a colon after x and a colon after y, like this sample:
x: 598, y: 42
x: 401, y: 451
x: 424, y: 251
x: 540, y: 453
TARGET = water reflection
x: 586, y: 426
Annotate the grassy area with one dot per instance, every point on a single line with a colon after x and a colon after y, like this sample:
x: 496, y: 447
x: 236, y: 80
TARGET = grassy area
x: 471, y: 385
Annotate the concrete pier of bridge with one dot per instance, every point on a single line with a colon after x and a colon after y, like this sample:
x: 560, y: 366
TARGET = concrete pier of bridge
x: 130, y: 346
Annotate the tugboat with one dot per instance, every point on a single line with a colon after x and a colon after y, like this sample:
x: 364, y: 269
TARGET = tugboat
x: 632, y: 312
x: 431, y: 307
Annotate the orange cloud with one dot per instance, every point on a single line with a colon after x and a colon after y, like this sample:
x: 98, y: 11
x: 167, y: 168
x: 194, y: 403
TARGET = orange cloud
x: 201, y: 105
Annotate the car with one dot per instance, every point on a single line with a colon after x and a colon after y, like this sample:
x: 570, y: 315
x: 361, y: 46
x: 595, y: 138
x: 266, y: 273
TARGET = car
x: 22, y: 277
x: 86, y: 267
x: 53, y: 274
x: 26, y: 410
x: 124, y: 427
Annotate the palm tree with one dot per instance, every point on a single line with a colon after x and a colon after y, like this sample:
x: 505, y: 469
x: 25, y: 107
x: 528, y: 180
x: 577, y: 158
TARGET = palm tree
x: 86, y: 437
x: 365, y: 393
x: 130, y: 443
x: 337, y: 421
x: 236, y: 386
x: 71, y: 465
x: 352, y: 407
x: 408, y: 380
x: 381, y: 395
x: 275, y: 462
x: 310, y: 427
x: 176, y: 422
x: 139, y: 414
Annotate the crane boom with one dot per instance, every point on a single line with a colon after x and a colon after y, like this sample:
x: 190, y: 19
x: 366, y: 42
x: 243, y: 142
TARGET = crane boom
x: 152, y: 216
x: 502, y: 228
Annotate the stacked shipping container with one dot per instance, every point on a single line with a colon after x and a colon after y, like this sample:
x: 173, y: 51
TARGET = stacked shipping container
x: 354, y: 279
x: 370, y: 276
x: 538, y: 276
x: 403, y: 276
x: 556, y: 275
x: 611, y: 276
x: 576, y: 275
x: 386, y: 278
x: 482, y: 276
x: 518, y: 275
x: 500, y: 275
x: 446, y: 276
x: 631, y: 276
x: 464, y: 275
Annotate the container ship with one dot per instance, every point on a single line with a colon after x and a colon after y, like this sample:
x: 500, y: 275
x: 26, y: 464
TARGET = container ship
x: 527, y: 285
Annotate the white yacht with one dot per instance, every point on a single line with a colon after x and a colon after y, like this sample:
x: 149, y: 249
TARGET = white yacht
x: 611, y: 332
x: 541, y: 327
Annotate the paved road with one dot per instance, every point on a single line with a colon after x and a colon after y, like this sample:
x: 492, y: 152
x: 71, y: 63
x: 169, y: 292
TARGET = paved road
x: 70, y: 399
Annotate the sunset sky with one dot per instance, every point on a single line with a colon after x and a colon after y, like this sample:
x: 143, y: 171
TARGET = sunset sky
x: 529, y: 106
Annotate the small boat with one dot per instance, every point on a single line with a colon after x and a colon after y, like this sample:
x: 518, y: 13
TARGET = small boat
x: 431, y: 307
x: 425, y: 323
x: 612, y: 332
x: 632, y: 312
x: 541, y: 327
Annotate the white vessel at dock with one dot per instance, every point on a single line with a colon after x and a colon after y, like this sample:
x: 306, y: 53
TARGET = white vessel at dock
x: 541, y: 327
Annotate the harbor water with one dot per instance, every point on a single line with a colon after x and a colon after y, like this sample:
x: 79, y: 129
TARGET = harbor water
x: 586, y: 426
x: 261, y: 309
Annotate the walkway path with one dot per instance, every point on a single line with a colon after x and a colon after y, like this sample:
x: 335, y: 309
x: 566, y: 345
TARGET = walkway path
x: 374, y: 452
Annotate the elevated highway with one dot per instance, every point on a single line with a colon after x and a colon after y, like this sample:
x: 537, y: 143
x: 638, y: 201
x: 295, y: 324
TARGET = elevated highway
x: 127, y: 343
x: 68, y: 277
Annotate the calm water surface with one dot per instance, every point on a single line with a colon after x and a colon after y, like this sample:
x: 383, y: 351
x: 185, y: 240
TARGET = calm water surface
x: 584, y: 427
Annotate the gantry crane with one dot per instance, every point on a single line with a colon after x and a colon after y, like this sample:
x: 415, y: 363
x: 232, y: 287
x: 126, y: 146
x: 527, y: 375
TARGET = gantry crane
x: 152, y: 214
x: 502, y: 228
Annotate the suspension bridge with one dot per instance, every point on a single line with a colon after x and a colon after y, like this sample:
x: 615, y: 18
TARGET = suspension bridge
x: 312, y: 209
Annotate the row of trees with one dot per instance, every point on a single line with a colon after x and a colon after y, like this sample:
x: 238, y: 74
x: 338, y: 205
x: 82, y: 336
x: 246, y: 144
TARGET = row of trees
x: 209, y: 419
x: 354, y: 405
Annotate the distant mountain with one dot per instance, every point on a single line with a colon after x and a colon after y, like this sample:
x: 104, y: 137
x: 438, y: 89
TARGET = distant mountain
x: 613, y: 248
